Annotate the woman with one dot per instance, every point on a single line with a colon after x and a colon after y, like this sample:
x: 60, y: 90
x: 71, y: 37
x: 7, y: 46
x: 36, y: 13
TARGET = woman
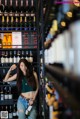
x: 27, y: 83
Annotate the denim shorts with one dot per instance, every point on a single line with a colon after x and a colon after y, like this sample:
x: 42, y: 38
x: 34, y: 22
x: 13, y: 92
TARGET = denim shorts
x: 22, y: 104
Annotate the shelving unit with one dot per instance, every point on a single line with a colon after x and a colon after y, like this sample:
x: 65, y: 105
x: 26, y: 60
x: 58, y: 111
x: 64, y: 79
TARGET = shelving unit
x: 24, y: 22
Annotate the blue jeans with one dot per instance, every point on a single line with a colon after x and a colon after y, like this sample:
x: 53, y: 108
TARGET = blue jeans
x: 22, y: 104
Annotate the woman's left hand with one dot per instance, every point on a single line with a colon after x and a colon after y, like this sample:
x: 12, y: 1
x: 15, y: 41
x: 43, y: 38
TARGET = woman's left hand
x: 31, y: 101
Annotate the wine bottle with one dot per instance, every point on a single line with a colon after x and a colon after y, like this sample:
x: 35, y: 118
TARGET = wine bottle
x: 3, y: 21
x: 14, y: 58
x: 10, y: 112
x: 22, y: 55
x: 14, y: 111
x: 16, y: 14
x: 21, y: 13
x: 6, y: 10
x: 26, y: 57
x: 2, y: 94
x: 0, y: 42
x: 3, y: 57
x: 26, y: 8
x: 10, y: 93
x: 6, y: 57
x: 1, y: 12
x: 11, y: 14
x: 1, y: 7
x: 32, y: 8
x: 11, y: 58
x: 31, y: 57
x: 18, y: 56
x: 12, y: 22
x: 11, y: 8
x: 6, y: 93
x: 28, y: 110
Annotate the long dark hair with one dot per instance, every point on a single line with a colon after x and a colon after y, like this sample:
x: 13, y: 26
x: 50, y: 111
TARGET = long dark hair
x: 29, y: 75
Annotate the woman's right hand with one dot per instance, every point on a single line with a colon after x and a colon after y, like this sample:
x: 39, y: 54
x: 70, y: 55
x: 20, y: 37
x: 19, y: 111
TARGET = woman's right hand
x: 13, y: 67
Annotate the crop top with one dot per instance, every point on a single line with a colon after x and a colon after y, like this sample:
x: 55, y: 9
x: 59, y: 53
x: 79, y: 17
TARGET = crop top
x: 25, y: 87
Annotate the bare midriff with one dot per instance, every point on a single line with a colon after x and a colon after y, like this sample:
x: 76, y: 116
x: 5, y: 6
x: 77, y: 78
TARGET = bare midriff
x: 28, y: 95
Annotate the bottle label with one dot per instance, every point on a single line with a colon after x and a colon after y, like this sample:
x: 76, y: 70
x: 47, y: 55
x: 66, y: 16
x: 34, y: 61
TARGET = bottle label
x: 14, y: 59
x: 4, y: 114
x: 10, y: 60
x: 2, y: 97
x: 14, y: 114
x: 6, y: 60
x: 10, y: 96
x: 2, y: 60
x: 28, y: 110
x: 10, y: 115
x: 6, y: 96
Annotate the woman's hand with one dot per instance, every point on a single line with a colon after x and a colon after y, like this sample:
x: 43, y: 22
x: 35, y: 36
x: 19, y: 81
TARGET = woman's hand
x: 31, y: 101
x: 13, y: 67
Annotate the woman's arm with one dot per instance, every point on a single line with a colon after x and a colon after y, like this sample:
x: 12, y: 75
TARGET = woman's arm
x: 7, y: 77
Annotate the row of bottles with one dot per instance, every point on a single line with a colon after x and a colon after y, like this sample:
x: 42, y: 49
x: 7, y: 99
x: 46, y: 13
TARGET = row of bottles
x: 15, y: 15
x: 8, y: 112
x: 15, y: 56
x: 5, y: 93
x: 17, y: 21
x: 22, y: 6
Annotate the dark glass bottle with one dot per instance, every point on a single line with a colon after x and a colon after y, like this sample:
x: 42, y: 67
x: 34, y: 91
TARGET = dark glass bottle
x: 10, y: 112
x: 6, y: 10
x: 11, y: 14
x: 21, y: 14
x: 1, y: 12
x: 0, y: 42
x: 32, y: 8
x: 16, y: 14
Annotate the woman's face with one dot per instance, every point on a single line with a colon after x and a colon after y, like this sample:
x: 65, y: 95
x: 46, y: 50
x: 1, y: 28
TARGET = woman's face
x: 23, y: 67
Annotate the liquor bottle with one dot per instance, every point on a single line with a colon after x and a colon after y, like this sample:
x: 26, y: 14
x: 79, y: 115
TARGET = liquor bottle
x: 32, y: 8
x: 16, y: 14
x: 11, y: 58
x: 6, y: 93
x: 6, y: 10
x: 6, y: 57
x: 2, y: 94
x: 28, y: 110
x: 6, y: 112
x: 10, y: 93
x: 11, y: 14
x: 26, y: 10
x: 14, y: 111
x: 1, y: 12
x: 18, y: 57
x: 21, y: 21
x: 21, y: 13
x: 0, y: 42
x: 26, y: 57
x: 30, y: 57
x: 25, y: 22
x: 7, y: 21
x: 12, y: 22
x: 10, y: 112
x: 1, y: 7
x: 11, y: 8
x: 22, y: 55
x: 3, y: 21
x: 3, y: 57
x: 14, y: 58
